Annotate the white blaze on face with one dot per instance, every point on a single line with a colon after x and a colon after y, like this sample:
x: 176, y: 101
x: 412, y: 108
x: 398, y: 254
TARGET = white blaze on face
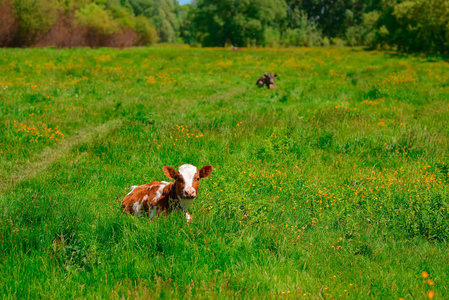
x: 188, y: 173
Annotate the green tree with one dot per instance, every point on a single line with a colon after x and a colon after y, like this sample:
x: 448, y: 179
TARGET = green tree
x: 35, y: 17
x: 165, y: 19
x: 424, y: 24
x: 147, y: 32
x: 237, y: 22
x: 304, y: 32
x: 162, y: 13
x: 332, y: 16
x: 187, y: 29
x: 95, y: 17
x: 142, y: 7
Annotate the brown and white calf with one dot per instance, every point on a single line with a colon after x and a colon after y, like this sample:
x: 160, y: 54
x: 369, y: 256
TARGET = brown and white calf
x: 158, y: 196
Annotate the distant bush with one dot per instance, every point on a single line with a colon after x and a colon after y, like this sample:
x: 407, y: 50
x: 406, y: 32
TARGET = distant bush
x: 271, y: 37
x: 352, y: 36
x: 95, y: 17
x: 337, y: 42
x: 305, y: 34
x: 122, y: 16
x: 147, y: 33
x: 370, y: 23
x: 35, y: 18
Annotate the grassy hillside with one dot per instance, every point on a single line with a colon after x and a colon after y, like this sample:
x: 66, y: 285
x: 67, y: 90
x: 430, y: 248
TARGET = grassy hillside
x: 334, y: 185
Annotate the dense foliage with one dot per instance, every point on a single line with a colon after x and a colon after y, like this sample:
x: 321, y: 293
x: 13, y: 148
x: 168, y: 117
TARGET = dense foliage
x: 409, y: 25
x: 336, y: 184
x: 416, y: 25
x: 92, y: 22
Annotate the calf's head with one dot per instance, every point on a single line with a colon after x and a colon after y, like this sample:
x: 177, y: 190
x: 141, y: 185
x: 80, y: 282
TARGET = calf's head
x: 187, y: 179
x: 269, y: 78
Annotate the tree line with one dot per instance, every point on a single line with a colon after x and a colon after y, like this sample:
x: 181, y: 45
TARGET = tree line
x: 406, y: 25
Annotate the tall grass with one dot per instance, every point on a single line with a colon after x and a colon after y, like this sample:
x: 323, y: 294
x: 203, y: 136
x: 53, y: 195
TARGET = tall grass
x: 333, y: 185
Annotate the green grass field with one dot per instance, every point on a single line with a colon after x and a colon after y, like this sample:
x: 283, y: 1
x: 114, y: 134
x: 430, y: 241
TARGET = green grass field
x: 334, y: 185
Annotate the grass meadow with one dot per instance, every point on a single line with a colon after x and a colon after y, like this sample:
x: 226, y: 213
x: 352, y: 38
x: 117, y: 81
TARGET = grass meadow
x: 334, y: 185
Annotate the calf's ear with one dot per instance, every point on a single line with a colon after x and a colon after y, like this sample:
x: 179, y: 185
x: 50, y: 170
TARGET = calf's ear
x: 206, y: 171
x: 169, y: 172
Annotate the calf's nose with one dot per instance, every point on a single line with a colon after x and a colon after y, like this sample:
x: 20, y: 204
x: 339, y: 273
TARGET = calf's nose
x: 190, y: 192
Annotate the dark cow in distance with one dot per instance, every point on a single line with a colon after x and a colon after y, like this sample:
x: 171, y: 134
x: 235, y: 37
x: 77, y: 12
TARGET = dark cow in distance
x: 268, y: 80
